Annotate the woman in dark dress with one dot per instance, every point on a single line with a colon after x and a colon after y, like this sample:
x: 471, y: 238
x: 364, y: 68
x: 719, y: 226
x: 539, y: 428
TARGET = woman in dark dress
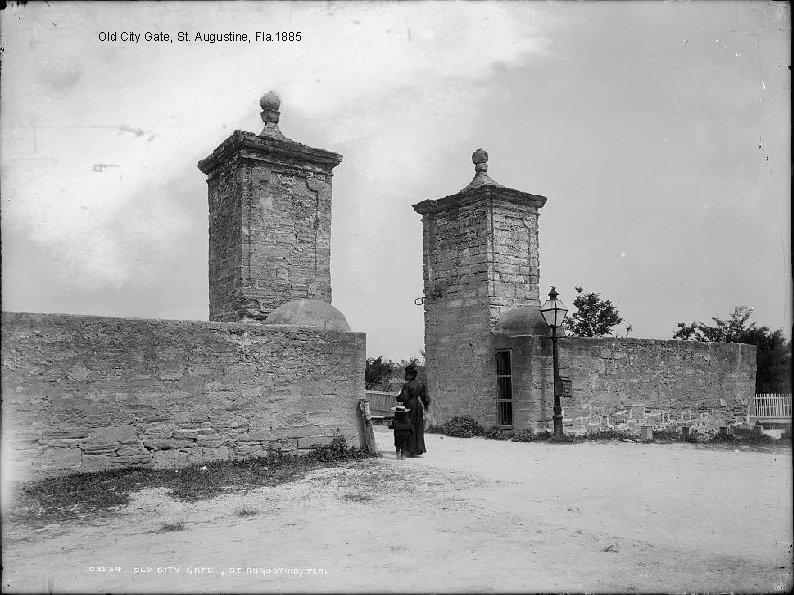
x: 414, y: 397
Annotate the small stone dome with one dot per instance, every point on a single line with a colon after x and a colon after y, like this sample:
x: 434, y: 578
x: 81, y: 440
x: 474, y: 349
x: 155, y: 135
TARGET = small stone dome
x: 526, y: 320
x: 314, y: 313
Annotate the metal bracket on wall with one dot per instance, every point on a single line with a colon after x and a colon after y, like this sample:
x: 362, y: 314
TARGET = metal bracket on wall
x: 421, y: 300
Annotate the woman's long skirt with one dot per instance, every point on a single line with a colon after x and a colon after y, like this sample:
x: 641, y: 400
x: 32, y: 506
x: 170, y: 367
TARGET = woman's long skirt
x: 417, y: 443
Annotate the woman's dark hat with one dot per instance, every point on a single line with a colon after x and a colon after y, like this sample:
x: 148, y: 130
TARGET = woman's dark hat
x: 410, y: 369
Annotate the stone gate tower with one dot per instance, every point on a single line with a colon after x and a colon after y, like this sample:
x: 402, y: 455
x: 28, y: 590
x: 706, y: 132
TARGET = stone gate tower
x: 486, y: 344
x: 269, y: 221
x: 480, y: 260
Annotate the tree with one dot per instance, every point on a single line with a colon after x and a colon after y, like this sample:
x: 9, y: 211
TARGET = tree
x: 773, y: 361
x: 594, y: 317
x: 383, y: 374
x: 377, y: 373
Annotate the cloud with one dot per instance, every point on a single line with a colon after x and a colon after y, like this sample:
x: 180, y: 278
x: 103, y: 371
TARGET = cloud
x: 397, y: 80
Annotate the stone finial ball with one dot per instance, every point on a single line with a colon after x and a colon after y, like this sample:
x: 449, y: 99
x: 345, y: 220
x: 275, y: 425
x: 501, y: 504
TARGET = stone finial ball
x: 270, y: 101
x: 479, y: 156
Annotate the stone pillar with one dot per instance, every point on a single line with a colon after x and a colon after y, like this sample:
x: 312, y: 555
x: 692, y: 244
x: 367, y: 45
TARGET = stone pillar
x: 269, y: 221
x: 480, y: 259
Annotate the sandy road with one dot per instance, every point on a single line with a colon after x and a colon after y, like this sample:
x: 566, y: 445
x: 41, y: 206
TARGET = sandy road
x: 472, y: 515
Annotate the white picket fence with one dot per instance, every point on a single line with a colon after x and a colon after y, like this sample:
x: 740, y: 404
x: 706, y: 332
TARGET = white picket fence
x: 772, y: 406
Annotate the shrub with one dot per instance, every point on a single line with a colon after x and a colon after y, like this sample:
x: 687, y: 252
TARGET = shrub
x: 524, y: 436
x: 463, y: 427
x: 723, y: 438
x: 497, y: 433
x: 564, y: 439
x: 749, y: 436
x: 666, y: 436
x: 609, y: 435
x: 693, y: 436
x: 550, y: 437
x: 336, y: 451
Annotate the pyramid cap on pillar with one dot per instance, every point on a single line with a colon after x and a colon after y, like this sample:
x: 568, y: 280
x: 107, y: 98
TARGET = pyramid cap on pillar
x: 481, y: 178
x: 482, y: 186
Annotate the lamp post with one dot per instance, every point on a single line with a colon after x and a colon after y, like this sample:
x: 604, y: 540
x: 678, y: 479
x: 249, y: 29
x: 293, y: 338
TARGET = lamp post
x: 554, y: 312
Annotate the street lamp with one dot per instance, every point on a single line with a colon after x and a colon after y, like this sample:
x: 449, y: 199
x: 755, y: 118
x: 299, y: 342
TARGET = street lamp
x: 554, y: 312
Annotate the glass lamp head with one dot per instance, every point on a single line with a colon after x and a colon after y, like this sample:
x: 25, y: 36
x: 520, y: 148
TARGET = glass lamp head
x: 553, y: 311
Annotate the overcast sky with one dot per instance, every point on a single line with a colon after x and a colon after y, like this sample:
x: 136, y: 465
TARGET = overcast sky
x: 658, y: 131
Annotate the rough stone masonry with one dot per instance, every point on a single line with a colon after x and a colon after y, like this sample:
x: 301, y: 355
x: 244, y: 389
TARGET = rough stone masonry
x: 279, y: 370
x: 85, y: 393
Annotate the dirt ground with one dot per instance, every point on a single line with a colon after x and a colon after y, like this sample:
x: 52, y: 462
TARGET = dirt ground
x: 471, y: 515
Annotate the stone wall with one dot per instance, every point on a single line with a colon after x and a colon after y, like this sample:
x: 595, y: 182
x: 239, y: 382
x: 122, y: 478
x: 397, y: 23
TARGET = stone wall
x: 84, y: 393
x: 617, y: 384
x: 626, y: 383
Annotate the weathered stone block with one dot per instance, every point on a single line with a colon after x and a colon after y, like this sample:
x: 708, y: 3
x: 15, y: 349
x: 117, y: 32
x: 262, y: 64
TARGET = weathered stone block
x: 249, y: 450
x: 67, y: 433
x: 99, y: 449
x: 160, y: 444
x: 185, y: 434
x: 132, y: 460
x: 303, y: 431
x: 202, y: 454
x: 110, y: 436
x: 156, y: 430
x: 211, y: 441
x: 61, y: 458
x: 67, y: 443
x: 93, y: 463
x: 260, y: 434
